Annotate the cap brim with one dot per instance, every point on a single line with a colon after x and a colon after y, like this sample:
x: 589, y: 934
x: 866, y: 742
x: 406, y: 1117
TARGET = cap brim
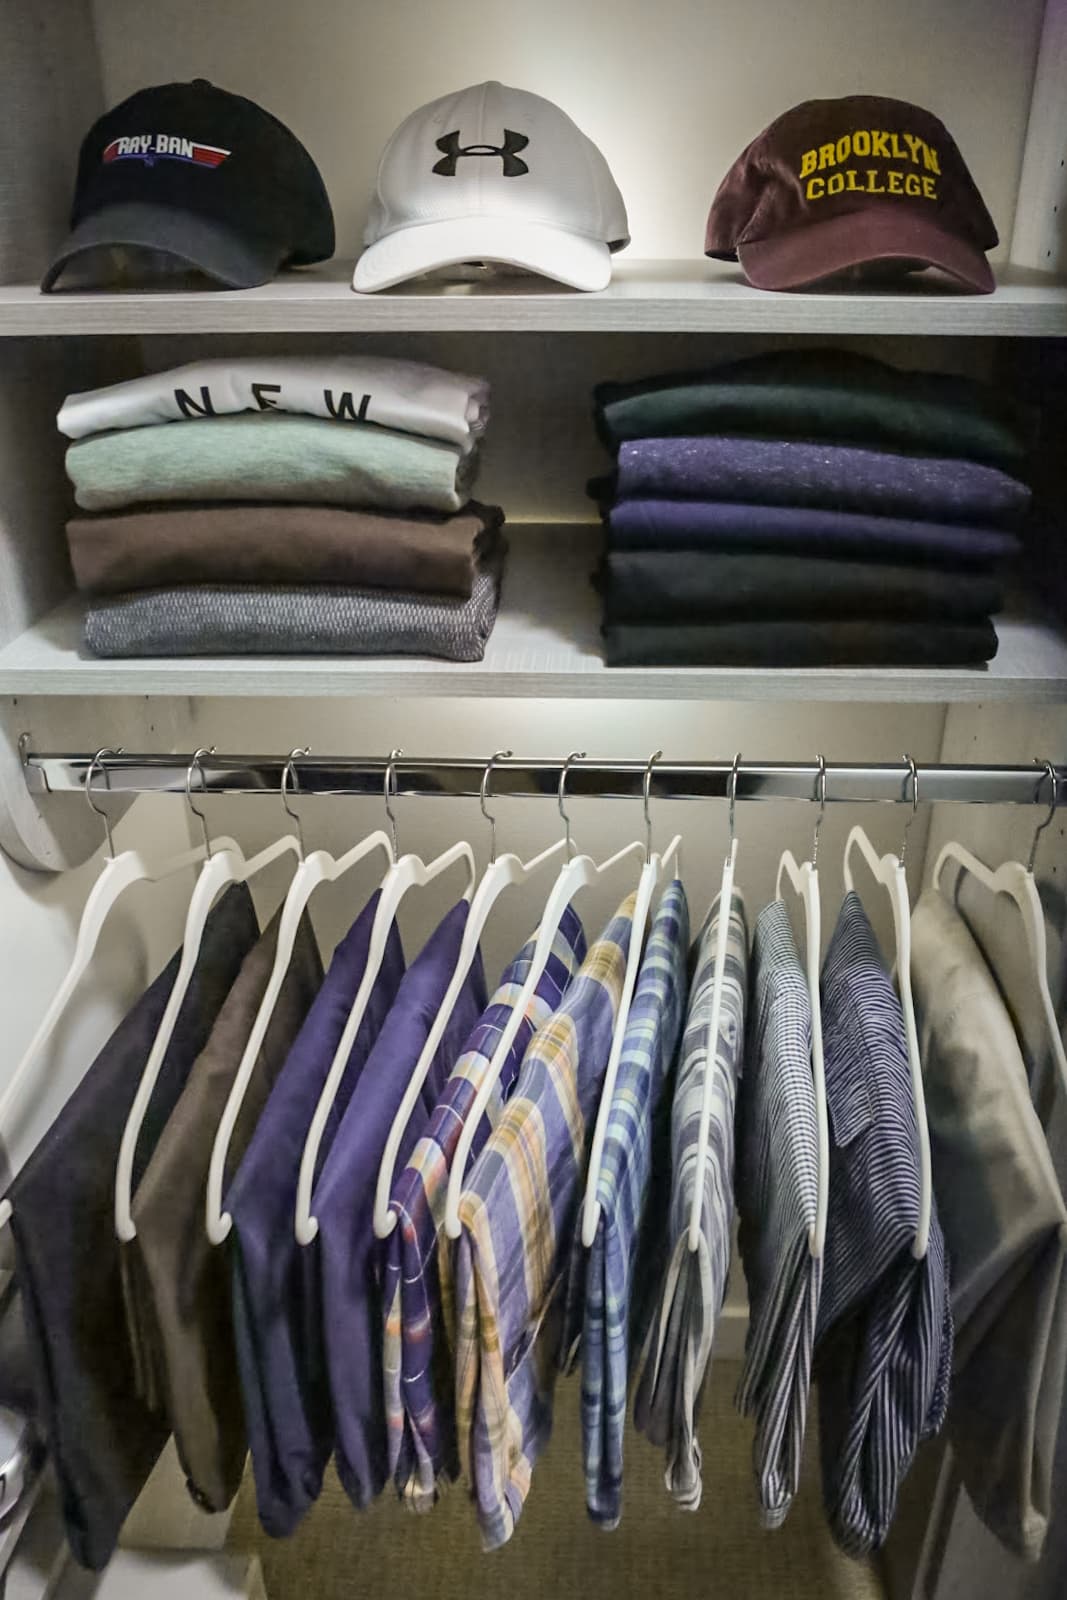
x: 570, y: 258
x: 804, y: 256
x: 198, y: 242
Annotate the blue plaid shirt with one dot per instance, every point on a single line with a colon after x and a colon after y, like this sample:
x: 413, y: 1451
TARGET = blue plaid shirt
x: 613, y: 1276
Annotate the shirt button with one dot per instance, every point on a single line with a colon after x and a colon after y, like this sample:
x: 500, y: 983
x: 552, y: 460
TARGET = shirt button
x: 198, y: 1497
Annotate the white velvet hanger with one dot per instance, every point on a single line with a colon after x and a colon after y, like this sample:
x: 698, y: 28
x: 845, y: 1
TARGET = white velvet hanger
x: 503, y: 872
x: 578, y: 873
x: 225, y: 864
x: 1019, y: 884
x: 118, y: 874
x: 726, y: 893
x: 315, y: 869
x: 805, y: 882
x: 406, y: 873
x: 653, y: 869
x: 888, y: 870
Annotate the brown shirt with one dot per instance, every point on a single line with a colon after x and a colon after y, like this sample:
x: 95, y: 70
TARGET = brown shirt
x: 178, y: 1284
x: 162, y: 546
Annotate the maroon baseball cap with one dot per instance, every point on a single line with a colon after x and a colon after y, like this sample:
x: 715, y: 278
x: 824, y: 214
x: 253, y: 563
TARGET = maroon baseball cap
x: 867, y: 186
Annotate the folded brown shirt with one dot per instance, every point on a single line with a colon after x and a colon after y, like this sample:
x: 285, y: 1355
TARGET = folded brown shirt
x: 160, y: 546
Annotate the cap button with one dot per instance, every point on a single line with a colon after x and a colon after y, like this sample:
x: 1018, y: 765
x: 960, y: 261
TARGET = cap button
x: 201, y: 83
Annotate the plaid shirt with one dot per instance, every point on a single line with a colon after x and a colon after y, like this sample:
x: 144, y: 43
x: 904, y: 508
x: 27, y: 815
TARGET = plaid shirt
x: 613, y: 1276
x: 518, y: 1214
x: 418, y: 1321
x: 678, y: 1349
x: 777, y: 1197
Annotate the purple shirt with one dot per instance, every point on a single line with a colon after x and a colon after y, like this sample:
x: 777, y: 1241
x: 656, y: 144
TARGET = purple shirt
x: 802, y: 530
x: 791, y: 472
x: 344, y: 1196
x: 277, y: 1294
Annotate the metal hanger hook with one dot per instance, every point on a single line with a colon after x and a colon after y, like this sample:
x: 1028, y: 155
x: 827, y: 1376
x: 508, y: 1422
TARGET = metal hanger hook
x: 101, y: 813
x: 575, y: 755
x: 913, y: 774
x: 205, y: 750
x: 731, y: 793
x: 820, y: 795
x: 289, y: 771
x: 500, y: 755
x: 646, y: 788
x: 1050, y: 774
x: 390, y: 787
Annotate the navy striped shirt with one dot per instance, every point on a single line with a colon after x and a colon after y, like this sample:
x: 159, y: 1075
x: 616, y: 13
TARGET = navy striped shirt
x: 884, y: 1335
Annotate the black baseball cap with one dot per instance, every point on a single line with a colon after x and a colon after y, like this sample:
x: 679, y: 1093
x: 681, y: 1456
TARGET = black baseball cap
x: 207, y: 178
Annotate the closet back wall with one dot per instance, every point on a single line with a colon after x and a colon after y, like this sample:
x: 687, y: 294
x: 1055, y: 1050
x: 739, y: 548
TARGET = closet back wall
x: 670, y: 92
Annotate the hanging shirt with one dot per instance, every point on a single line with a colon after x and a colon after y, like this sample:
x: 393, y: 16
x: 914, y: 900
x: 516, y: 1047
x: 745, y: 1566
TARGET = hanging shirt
x: 277, y: 1291
x: 677, y: 1351
x: 884, y: 1338
x: 352, y: 1258
x: 518, y: 1213
x: 1005, y: 1227
x: 418, y: 1297
x: 102, y: 1438
x: 189, y: 1368
x: 777, y: 1197
x: 616, y: 1270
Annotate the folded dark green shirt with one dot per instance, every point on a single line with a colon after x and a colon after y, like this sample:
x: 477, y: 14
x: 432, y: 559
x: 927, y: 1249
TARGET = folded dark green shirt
x: 699, y: 586
x: 821, y: 394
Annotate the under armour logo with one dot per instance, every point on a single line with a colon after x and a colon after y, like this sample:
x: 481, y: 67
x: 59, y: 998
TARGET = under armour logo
x: 508, y: 153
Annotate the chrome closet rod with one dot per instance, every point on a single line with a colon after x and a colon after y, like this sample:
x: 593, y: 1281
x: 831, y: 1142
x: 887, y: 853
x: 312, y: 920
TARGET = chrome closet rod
x: 126, y: 773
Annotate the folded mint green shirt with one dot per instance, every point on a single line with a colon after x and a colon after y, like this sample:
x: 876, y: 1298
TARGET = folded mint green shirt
x: 273, y: 458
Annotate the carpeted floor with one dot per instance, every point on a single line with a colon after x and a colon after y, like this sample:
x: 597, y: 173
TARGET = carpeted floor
x: 658, y: 1552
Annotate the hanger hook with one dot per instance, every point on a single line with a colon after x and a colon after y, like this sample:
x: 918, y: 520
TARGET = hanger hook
x: 575, y: 755
x: 646, y: 788
x: 289, y: 771
x: 820, y: 795
x: 205, y: 750
x: 94, y: 763
x: 500, y: 755
x: 1050, y: 774
x: 390, y: 788
x: 731, y: 791
x: 913, y: 774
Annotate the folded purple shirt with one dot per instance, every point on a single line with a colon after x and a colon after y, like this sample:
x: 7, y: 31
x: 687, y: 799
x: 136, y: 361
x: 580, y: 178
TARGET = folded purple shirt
x: 802, y: 530
x: 787, y: 472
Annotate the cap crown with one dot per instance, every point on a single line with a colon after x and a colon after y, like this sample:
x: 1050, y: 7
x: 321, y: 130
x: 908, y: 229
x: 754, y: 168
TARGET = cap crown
x: 828, y: 158
x: 495, y: 151
x: 193, y: 147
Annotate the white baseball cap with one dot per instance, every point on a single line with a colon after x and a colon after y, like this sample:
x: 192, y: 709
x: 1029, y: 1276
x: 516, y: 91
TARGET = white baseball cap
x: 492, y: 174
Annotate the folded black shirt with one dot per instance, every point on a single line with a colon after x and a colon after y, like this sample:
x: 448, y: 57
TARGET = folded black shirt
x: 839, y: 642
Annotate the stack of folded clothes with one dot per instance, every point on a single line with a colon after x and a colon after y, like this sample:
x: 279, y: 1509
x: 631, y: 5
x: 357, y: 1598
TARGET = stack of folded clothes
x: 808, y: 508
x: 283, y: 506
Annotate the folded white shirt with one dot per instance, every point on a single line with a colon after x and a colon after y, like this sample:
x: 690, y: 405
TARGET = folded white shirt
x: 405, y: 395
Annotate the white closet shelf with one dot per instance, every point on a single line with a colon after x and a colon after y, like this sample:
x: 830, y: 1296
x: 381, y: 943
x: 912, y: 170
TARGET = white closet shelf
x: 691, y: 296
x: 546, y: 643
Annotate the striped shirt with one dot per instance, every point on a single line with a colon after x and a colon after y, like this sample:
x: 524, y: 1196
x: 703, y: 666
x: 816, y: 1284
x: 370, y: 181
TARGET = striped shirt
x: 678, y: 1348
x: 518, y: 1215
x: 613, y: 1268
x: 417, y: 1293
x: 884, y: 1339
x: 777, y: 1197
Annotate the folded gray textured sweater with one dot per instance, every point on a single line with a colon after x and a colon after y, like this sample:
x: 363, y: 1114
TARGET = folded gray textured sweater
x: 270, y: 457
x: 249, y: 619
